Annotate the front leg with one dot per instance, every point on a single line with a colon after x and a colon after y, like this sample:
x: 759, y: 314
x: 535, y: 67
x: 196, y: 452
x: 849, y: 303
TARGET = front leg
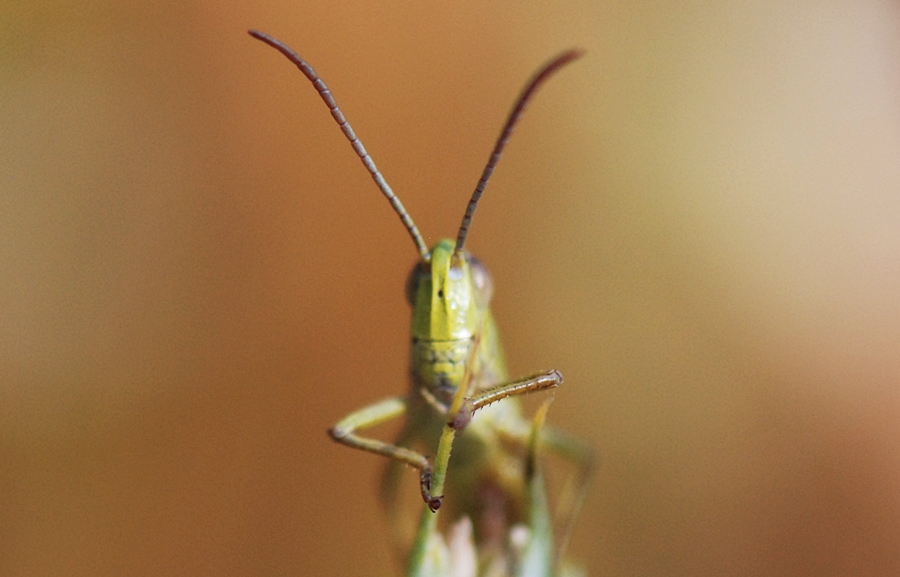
x: 539, y: 382
x: 375, y: 414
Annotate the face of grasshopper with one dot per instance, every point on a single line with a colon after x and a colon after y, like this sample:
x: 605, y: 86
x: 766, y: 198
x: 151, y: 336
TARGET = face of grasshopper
x: 449, y: 296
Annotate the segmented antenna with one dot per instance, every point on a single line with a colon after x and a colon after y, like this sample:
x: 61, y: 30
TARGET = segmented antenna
x: 542, y: 75
x: 357, y: 145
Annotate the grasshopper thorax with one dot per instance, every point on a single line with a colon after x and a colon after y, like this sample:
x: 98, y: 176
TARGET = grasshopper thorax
x: 449, y: 295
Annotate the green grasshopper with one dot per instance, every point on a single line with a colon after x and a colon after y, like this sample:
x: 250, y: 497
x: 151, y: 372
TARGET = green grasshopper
x: 502, y: 522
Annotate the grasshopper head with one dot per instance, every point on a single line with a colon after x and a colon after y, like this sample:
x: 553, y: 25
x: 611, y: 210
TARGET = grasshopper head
x: 448, y: 289
x: 449, y: 295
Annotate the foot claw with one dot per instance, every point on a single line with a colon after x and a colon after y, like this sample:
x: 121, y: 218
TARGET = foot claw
x: 433, y: 502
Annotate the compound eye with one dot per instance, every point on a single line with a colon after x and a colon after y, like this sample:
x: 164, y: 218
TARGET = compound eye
x: 416, y: 275
x: 484, y: 284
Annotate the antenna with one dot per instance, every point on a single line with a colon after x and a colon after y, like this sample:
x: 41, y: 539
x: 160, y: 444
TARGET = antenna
x: 357, y: 145
x: 539, y: 78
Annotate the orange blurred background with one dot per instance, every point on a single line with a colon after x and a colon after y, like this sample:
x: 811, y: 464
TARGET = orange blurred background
x: 698, y: 224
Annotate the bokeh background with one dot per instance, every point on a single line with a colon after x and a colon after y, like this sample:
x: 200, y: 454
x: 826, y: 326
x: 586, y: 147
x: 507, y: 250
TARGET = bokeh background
x: 698, y: 224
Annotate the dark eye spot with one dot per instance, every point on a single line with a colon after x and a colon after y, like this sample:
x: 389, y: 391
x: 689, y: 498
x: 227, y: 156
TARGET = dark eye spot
x: 441, y: 293
x: 418, y: 273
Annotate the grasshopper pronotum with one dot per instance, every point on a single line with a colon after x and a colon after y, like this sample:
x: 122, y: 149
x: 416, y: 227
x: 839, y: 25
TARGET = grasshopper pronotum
x: 501, y: 520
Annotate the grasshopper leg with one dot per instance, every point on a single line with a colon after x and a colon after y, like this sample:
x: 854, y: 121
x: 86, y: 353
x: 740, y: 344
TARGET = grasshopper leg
x: 575, y: 451
x: 554, y: 441
x: 539, y: 382
x: 434, y: 478
x: 375, y: 414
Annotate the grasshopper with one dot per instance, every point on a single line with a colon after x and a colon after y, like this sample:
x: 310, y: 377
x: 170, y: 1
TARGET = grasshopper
x: 502, y: 524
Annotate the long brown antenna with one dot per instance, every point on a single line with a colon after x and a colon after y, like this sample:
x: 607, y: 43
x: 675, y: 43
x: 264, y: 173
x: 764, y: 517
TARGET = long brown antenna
x: 542, y: 75
x: 357, y: 145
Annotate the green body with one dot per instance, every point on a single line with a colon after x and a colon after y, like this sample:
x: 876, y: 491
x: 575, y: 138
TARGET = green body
x: 454, y: 339
x: 492, y: 487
